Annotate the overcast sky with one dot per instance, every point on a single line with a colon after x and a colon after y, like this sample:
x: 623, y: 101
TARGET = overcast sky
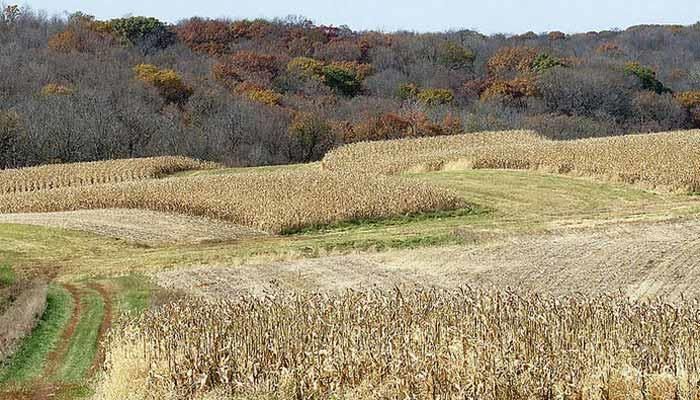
x: 486, y: 16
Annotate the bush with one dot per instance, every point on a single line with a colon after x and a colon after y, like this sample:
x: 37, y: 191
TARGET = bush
x: 143, y: 31
x: 168, y: 82
x: 54, y: 89
x: 455, y: 56
x: 408, y: 91
x: 305, y: 66
x: 433, y: 97
x: 544, y: 62
x: 259, y: 94
x: 342, y: 79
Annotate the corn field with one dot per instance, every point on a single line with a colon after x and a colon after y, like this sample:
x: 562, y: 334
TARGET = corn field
x: 418, y: 344
x: 665, y: 161
x: 276, y: 202
x: 92, y: 173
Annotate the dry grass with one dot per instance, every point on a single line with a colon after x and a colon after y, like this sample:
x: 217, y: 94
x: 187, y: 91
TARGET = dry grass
x: 666, y: 161
x: 422, y: 154
x: 21, y: 315
x: 414, y: 345
x: 139, y: 226
x: 275, y: 202
x: 92, y: 173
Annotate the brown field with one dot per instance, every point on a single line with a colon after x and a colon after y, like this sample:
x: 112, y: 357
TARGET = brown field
x: 665, y: 161
x: 138, y: 226
x: 93, y: 173
x: 275, y: 202
x: 419, y: 344
x: 640, y: 260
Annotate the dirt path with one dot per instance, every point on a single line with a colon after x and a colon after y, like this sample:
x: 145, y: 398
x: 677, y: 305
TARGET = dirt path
x: 44, y: 387
x: 99, y: 359
x: 53, y: 362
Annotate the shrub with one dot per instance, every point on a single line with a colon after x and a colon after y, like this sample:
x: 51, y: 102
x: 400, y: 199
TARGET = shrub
x: 306, y: 66
x: 511, y: 91
x: 259, y: 94
x: 647, y: 77
x: 434, y: 97
x: 142, y: 31
x: 689, y: 99
x: 168, y: 82
x: 342, y: 79
x: 544, y: 62
x: 54, y: 89
x: 408, y: 91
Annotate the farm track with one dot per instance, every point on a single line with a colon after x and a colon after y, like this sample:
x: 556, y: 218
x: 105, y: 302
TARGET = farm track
x: 48, y: 386
x: 641, y: 260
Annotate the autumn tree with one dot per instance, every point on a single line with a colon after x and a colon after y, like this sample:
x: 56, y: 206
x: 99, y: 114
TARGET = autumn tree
x: 142, y: 31
x: 457, y: 57
x: 206, y: 35
x: 647, y: 77
x: 169, y: 84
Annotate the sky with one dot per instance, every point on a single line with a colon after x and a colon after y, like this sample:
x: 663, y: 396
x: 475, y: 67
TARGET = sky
x: 486, y: 16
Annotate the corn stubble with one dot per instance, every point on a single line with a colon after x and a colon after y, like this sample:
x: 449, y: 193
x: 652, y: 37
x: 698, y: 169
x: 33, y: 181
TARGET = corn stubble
x: 417, y: 344
x: 91, y: 173
x: 665, y: 161
x: 277, y: 202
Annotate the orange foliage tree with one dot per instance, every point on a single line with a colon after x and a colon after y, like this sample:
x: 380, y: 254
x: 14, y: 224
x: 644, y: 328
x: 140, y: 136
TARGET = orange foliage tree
x: 168, y: 83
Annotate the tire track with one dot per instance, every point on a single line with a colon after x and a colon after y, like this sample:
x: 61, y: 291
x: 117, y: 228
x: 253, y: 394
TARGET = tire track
x: 54, y: 359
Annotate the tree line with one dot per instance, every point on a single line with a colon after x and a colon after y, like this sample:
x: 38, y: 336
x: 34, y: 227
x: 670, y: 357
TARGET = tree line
x: 253, y: 92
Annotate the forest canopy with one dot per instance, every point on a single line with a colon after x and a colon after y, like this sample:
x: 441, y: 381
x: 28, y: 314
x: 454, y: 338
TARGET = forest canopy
x: 253, y: 92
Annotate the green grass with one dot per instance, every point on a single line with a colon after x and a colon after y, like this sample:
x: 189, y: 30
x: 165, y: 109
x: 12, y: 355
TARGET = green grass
x: 133, y: 294
x: 379, y: 223
x: 29, y: 361
x: 83, y: 344
x: 7, y: 275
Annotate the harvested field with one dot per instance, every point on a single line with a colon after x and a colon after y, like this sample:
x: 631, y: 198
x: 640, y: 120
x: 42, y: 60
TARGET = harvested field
x: 92, y: 173
x: 139, y: 226
x: 640, y: 260
x: 276, y: 202
x: 665, y: 161
x: 21, y: 315
x: 414, y: 344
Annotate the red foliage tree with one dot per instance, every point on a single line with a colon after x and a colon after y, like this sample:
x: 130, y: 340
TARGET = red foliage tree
x: 206, y: 36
